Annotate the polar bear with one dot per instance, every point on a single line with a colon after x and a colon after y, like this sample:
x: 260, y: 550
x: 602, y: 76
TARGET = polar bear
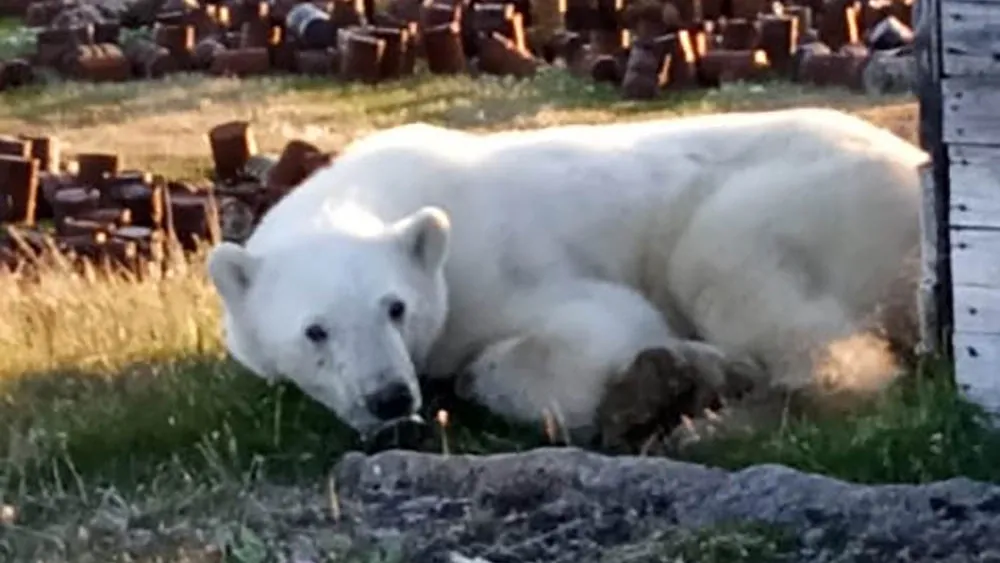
x: 770, y: 235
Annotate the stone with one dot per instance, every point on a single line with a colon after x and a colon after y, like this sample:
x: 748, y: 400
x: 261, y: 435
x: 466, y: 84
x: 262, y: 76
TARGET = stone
x: 570, y: 505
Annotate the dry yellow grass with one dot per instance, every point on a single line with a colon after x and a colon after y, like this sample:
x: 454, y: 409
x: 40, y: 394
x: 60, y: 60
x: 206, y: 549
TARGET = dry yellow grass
x: 100, y: 323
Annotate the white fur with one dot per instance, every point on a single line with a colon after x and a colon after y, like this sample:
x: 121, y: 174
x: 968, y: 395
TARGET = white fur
x: 768, y: 235
x: 578, y: 336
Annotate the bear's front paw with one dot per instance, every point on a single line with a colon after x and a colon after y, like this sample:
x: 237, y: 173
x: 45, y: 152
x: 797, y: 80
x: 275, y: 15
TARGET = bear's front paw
x: 659, y: 388
x: 731, y: 377
x: 503, y: 397
x: 666, y: 388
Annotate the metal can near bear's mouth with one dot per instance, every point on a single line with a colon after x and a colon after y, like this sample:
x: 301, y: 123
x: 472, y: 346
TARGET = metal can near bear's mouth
x: 405, y: 432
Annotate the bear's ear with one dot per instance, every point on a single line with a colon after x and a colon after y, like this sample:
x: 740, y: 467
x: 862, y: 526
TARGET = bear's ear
x: 424, y: 236
x: 231, y: 268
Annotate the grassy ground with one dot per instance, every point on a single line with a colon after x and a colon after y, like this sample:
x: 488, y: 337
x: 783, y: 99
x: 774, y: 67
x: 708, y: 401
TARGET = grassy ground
x: 118, y: 402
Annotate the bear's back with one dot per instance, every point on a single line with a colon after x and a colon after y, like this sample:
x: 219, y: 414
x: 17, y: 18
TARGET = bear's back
x: 558, y: 178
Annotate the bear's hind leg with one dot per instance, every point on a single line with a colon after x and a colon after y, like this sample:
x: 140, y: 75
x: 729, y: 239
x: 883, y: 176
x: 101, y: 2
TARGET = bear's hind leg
x: 787, y: 269
x: 817, y: 357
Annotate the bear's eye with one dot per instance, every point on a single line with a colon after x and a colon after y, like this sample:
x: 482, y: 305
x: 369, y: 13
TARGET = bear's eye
x: 397, y: 309
x: 316, y: 333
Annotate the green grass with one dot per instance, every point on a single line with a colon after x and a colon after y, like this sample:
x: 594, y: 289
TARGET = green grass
x: 922, y: 430
x: 118, y: 393
x: 14, y: 39
x: 724, y: 543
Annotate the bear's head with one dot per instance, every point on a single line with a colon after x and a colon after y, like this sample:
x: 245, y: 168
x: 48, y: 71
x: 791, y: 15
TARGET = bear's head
x: 347, y: 318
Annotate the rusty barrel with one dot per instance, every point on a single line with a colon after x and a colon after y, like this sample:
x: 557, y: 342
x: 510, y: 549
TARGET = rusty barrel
x: 104, y: 62
x: 233, y: 144
x: 311, y: 26
x: 16, y: 73
x: 362, y: 57
x: 18, y: 188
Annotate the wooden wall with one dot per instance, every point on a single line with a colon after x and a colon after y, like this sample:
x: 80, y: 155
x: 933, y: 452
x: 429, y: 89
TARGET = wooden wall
x: 961, y: 89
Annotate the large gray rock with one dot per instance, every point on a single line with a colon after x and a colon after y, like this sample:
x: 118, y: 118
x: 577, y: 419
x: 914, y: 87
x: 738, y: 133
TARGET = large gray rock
x: 568, y: 505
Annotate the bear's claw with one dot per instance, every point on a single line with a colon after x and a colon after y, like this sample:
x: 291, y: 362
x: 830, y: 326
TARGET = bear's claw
x: 679, y: 390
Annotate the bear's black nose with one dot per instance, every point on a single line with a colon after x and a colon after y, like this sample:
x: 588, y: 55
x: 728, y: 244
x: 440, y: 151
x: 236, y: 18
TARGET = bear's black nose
x: 390, y: 402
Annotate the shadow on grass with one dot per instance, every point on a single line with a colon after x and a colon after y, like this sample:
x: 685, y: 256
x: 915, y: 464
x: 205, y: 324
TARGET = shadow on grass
x: 208, y: 416
x: 178, y: 442
x: 199, y: 415
x: 922, y: 430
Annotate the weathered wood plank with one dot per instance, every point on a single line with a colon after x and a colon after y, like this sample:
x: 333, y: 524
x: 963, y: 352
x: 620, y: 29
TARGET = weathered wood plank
x: 927, y: 53
x: 975, y: 257
x: 969, y: 112
x: 984, y: 2
x: 975, y: 186
x: 929, y: 288
x: 977, y: 368
x: 977, y: 309
x: 970, y: 35
x: 934, y: 292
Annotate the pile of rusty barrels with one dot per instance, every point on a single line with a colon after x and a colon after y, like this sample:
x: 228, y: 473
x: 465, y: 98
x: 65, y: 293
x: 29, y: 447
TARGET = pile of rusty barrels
x: 94, y: 209
x: 640, y: 46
